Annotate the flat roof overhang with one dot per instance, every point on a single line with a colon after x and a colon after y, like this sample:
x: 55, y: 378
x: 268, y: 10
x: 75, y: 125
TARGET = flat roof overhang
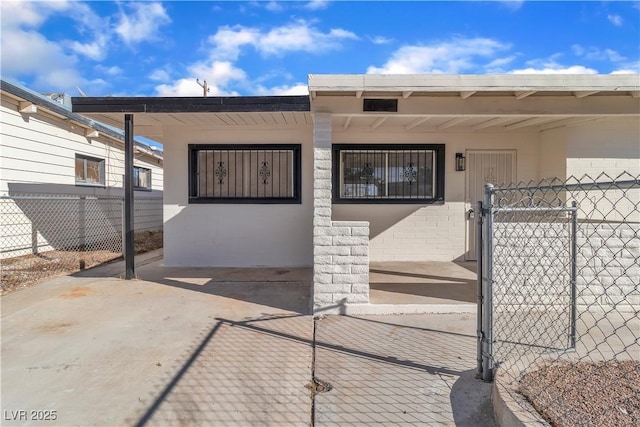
x: 426, y: 103
x: 153, y: 115
x: 234, y: 104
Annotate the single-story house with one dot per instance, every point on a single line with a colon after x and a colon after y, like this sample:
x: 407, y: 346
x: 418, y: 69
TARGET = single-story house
x: 368, y: 167
x: 48, y: 151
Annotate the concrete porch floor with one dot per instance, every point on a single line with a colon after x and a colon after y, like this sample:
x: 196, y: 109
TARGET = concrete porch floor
x: 206, y: 347
x: 425, y: 282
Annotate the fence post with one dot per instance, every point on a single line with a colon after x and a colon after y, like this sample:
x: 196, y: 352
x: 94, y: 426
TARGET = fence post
x: 479, y: 330
x: 574, y: 269
x: 487, y: 282
x: 123, y: 247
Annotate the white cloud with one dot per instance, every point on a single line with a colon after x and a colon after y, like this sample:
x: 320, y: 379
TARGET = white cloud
x: 28, y: 53
x: 381, y: 40
x: 451, y: 57
x: 317, y: 5
x: 512, y: 4
x: 615, y: 20
x: 625, y: 71
x: 111, y: 71
x: 159, y: 75
x: 227, y: 41
x: 597, y: 54
x: 95, y: 50
x: 628, y: 68
x: 181, y: 87
x: 299, y: 36
x: 53, y: 65
x: 218, y: 75
x: 274, y: 6
x: 142, y: 23
x: 556, y: 69
x: 295, y: 89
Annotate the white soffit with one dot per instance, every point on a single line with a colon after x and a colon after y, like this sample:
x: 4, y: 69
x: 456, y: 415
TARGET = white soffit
x: 466, y: 86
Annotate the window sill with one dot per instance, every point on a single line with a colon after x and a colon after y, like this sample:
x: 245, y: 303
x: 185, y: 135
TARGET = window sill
x: 387, y: 201
x: 89, y: 184
x: 244, y: 201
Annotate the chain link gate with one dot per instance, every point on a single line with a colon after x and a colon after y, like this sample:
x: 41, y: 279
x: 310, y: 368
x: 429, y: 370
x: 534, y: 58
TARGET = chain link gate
x: 559, y: 272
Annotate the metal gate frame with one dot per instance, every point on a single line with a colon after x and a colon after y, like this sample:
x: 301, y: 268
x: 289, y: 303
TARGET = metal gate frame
x: 485, y: 218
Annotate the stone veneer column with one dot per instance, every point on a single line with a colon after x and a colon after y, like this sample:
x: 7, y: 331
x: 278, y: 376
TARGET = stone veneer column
x: 340, y: 248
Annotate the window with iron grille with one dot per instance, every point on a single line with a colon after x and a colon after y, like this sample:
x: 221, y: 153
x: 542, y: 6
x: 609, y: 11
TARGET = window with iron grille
x: 244, y: 173
x: 89, y: 170
x: 385, y: 173
x: 141, y: 178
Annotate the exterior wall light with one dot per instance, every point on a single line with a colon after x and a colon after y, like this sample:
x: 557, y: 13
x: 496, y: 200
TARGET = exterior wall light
x: 461, y: 162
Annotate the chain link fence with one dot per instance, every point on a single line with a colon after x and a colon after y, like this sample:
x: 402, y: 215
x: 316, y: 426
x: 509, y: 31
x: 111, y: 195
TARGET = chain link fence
x: 559, y: 277
x: 42, y: 236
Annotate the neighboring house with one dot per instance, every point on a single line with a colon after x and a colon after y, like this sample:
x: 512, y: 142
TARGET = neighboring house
x: 369, y: 167
x: 49, y: 151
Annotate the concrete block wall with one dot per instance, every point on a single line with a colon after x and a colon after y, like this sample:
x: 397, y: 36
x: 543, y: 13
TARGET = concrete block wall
x: 341, y: 263
x: 609, y: 266
x: 532, y: 266
x: 434, y: 233
x: 340, y: 248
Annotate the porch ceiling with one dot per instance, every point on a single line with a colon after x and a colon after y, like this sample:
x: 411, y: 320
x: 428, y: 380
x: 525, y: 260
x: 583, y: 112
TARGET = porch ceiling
x: 459, y: 123
x: 153, y: 125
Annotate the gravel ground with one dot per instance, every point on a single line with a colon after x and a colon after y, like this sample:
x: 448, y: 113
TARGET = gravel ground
x: 28, y: 270
x: 585, y: 393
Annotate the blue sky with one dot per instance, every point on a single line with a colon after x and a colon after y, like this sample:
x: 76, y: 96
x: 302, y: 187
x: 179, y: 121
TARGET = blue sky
x: 265, y: 47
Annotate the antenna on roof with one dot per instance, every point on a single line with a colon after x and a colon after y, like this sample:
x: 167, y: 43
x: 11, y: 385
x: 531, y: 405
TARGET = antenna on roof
x: 84, y: 95
x: 204, y: 87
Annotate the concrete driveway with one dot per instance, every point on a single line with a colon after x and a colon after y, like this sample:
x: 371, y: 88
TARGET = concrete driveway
x: 225, y: 347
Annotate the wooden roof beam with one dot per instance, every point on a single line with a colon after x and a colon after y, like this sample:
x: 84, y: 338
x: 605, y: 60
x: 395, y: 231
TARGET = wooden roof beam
x: 573, y: 121
x: 26, y: 107
x: 378, y: 122
x: 406, y: 93
x: 467, y: 93
x: 530, y: 122
x: 584, y: 93
x: 416, y: 122
x: 524, y: 94
x: 452, y: 122
x: 347, y: 122
x: 496, y: 121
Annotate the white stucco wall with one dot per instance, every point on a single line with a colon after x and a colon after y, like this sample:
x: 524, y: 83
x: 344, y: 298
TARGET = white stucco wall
x: 431, y: 232
x: 611, y: 146
x: 235, y: 235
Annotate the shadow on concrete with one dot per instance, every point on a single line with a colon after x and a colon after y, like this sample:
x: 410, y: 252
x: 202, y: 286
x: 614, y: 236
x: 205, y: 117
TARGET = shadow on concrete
x: 282, y: 288
x: 453, y: 287
x: 471, y: 401
x: 239, y: 374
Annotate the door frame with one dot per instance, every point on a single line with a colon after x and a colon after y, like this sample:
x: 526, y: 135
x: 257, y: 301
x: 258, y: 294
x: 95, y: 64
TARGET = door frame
x: 471, y: 204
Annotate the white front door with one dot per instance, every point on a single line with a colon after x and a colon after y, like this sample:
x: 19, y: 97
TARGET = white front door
x: 484, y: 166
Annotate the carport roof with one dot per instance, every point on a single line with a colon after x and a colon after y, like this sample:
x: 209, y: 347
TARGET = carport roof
x: 466, y: 86
x: 426, y: 103
x: 216, y: 104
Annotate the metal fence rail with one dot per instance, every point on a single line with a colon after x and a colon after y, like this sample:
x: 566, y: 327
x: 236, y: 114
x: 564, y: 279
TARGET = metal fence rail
x: 559, y: 276
x: 45, y: 235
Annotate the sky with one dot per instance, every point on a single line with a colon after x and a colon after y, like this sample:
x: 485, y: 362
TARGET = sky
x: 152, y: 48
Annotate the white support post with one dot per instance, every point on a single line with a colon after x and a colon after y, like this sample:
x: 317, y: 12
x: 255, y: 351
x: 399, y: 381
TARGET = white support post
x: 340, y: 248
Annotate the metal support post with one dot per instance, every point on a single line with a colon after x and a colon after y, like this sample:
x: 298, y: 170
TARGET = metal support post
x: 487, y: 282
x: 128, y: 197
x: 574, y: 269
x: 479, y: 331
